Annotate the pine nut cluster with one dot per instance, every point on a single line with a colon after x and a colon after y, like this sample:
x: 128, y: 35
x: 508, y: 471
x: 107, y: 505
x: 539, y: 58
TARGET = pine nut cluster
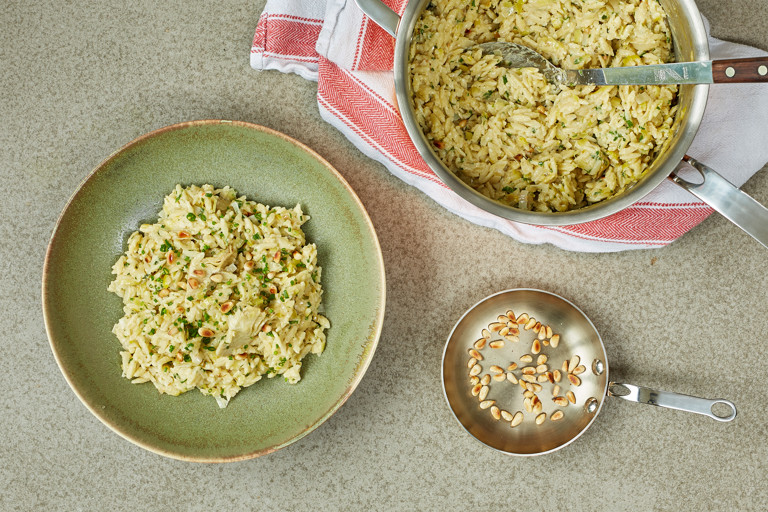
x: 531, y: 374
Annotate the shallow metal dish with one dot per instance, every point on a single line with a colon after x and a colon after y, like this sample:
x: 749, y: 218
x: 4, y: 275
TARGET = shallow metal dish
x: 578, y: 336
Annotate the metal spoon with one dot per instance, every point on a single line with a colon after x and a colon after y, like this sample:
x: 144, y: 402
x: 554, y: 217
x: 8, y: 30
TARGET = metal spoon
x: 754, y: 69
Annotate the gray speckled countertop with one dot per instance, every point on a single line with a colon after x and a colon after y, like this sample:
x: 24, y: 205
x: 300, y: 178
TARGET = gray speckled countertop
x: 79, y: 79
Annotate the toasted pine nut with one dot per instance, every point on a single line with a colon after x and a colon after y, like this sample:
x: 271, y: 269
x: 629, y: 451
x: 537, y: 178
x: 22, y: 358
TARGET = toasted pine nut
x: 516, y: 419
x: 574, y: 379
x: 511, y: 315
x: 571, y: 397
x: 523, y: 319
x: 474, y: 379
x: 472, y: 362
x: 487, y: 403
x: 564, y: 368
x: 502, y: 319
x: 171, y: 257
x: 579, y: 369
x: 248, y: 265
x: 497, y: 369
x: 528, y: 370
x: 557, y: 375
x: 528, y: 378
x: 513, y: 339
x: 556, y: 390
x: 528, y: 405
x: 549, y: 332
x: 526, y: 358
x: 512, y: 367
x: 541, y: 359
x: 550, y: 378
x: 514, y: 331
x: 506, y: 415
x: 536, y: 387
x: 217, y: 278
x: 529, y: 386
x: 573, y: 364
x: 276, y: 256
x: 542, y: 377
x: 537, y: 405
x: 475, y: 369
x: 163, y: 293
x: 474, y: 353
x: 504, y: 331
x: 537, y: 330
x: 557, y: 415
x: 226, y: 307
x: 528, y: 394
x: 496, y: 326
x: 541, y: 418
x: 495, y: 412
x: 542, y: 368
x: 198, y: 272
x: 184, y: 234
x: 486, y: 333
x: 561, y: 401
x: 486, y: 379
x: 511, y: 378
x: 483, y: 393
x: 496, y: 344
x: 554, y: 340
x: 480, y: 344
x: 536, y: 347
x: 193, y: 283
x: 500, y: 377
x: 476, y: 389
x: 529, y: 324
x: 206, y: 332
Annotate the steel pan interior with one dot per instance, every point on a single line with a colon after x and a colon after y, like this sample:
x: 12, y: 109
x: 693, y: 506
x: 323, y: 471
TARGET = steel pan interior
x: 578, y: 337
x: 689, y: 40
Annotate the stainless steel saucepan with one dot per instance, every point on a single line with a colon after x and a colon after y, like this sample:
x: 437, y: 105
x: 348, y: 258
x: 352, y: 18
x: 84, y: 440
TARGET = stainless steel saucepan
x: 690, y: 44
x: 578, y: 337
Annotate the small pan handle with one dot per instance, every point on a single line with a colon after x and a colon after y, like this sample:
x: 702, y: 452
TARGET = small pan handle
x: 382, y: 15
x: 726, y: 199
x: 752, y: 69
x: 670, y: 400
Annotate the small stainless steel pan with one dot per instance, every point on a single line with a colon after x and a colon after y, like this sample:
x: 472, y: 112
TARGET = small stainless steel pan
x: 578, y: 336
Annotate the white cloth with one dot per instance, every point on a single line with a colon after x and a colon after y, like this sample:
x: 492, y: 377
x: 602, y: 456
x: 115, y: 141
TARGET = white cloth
x: 332, y: 42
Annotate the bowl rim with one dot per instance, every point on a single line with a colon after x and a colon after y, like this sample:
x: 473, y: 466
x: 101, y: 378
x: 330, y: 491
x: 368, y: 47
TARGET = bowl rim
x: 373, y: 336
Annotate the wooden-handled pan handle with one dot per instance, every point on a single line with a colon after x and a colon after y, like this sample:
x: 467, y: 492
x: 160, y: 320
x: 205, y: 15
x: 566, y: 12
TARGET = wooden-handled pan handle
x: 753, y: 69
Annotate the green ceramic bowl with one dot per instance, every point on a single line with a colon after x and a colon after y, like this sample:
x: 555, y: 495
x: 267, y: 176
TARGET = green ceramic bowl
x: 127, y: 190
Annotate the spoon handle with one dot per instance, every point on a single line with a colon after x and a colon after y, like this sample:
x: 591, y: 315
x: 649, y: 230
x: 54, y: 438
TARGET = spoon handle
x: 655, y: 74
x: 753, y: 69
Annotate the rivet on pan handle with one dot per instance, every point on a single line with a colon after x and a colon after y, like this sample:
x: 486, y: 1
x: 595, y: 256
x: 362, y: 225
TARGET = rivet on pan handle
x: 670, y: 400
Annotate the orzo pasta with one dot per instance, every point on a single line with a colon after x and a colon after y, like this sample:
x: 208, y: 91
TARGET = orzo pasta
x: 520, y: 140
x: 217, y: 293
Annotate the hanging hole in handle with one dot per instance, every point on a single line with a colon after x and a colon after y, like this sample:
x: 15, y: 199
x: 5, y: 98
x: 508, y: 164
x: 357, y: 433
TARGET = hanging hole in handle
x: 690, y: 175
x: 723, y: 410
x: 617, y: 390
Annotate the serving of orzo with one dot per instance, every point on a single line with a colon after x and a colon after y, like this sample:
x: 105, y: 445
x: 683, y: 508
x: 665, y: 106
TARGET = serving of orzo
x: 217, y: 293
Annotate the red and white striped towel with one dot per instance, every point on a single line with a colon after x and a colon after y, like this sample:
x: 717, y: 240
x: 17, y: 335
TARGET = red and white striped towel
x: 350, y: 57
